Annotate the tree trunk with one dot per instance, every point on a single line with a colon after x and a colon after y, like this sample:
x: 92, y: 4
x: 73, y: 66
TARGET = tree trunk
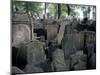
x: 69, y: 9
x: 59, y: 10
x: 27, y: 5
x: 45, y: 5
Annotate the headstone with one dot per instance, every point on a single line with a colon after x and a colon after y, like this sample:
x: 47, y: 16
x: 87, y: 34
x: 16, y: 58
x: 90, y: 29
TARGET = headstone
x: 32, y: 69
x: 72, y: 42
x: 61, y: 32
x: 80, y: 66
x: 21, y: 28
x: 92, y: 61
x: 58, y: 60
x: 20, y: 34
x: 21, y: 57
x: 90, y: 42
x: 35, y: 55
x: 52, y: 31
x: 78, y: 61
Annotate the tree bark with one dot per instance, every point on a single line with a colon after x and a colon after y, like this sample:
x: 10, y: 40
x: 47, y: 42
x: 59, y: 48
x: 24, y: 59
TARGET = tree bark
x: 59, y: 10
x: 69, y: 9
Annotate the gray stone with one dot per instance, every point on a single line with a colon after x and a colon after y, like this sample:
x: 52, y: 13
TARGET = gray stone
x: 32, y: 69
x: 72, y: 42
x: 35, y: 57
x: 58, y: 60
x: 15, y: 69
x: 90, y: 42
x: 92, y: 61
x: 52, y: 31
x: 80, y: 66
x: 35, y: 52
x: 20, y: 34
x: 78, y: 61
x: 21, y: 28
x: 21, y: 16
x: 68, y: 64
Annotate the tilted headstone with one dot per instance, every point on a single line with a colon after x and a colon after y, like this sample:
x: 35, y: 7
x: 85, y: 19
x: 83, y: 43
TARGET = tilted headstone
x: 61, y: 31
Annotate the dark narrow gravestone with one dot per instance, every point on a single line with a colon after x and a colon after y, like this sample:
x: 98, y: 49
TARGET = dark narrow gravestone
x: 92, y: 61
x: 90, y: 48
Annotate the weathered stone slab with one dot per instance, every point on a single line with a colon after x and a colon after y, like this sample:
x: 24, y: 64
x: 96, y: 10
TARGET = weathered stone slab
x: 35, y: 56
x: 58, y: 60
x: 35, y: 52
x: 78, y: 61
x: 15, y: 70
x: 52, y: 31
x: 80, y: 66
x: 20, y: 34
x: 21, y: 28
x: 92, y: 61
x: 20, y: 17
x: 32, y: 69
x: 72, y: 42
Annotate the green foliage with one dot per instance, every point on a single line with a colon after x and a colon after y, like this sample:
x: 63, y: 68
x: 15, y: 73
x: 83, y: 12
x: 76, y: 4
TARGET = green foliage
x: 64, y: 10
x: 38, y: 8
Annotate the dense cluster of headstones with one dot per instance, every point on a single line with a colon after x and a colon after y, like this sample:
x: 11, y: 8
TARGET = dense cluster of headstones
x: 67, y: 47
